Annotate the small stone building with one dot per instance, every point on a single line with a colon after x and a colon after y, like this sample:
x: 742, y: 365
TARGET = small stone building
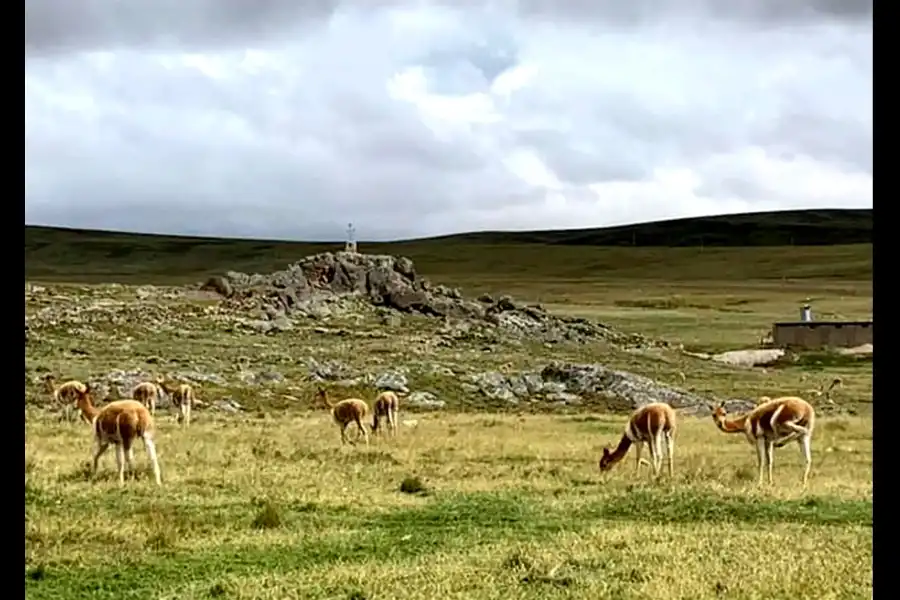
x: 822, y: 334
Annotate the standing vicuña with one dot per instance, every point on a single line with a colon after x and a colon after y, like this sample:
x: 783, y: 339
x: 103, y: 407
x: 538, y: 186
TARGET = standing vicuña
x: 120, y: 423
x: 147, y: 393
x: 182, y: 396
x: 66, y: 394
x: 386, y: 406
x: 652, y: 424
x: 350, y: 410
x: 771, y: 425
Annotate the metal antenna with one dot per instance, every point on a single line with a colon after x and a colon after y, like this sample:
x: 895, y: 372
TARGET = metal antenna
x: 350, y: 244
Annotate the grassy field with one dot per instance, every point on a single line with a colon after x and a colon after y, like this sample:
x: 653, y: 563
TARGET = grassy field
x: 500, y: 501
x: 496, y: 507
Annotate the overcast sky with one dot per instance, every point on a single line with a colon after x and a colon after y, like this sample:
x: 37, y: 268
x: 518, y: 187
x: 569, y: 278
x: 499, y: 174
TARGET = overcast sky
x: 289, y: 119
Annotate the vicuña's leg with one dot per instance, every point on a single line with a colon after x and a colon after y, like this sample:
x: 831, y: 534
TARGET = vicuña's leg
x: 653, y: 442
x: 770, y: 458
x: 99, y: 449
x: 670, y: 450
x: 343, y: 434
x: 760, y: 457
x: 805, y: 443
x: 150, y: 447
x: 129, y: 459
x: 638, y: 448
x: 362, y: 431
x: 120, y: 463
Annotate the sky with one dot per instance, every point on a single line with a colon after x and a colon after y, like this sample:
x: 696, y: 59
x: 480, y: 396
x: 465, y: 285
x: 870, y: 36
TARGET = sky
x: 289, y: 120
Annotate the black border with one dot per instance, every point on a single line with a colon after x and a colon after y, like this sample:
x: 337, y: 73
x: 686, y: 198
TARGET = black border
x: 881, y: 418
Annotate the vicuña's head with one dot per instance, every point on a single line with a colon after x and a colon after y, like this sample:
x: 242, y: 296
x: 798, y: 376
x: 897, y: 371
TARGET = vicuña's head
x: 719, y: 413
x: 84, y: 397
x: 606, y: 461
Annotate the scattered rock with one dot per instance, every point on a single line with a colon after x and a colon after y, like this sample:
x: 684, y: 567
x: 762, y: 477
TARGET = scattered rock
x: 218, y: 284
x: 750, y: 358
x: 424, y: 401
x: 863, y: 350
x: 228, y: 405
x: 329, y: 370
x: 392, y: 380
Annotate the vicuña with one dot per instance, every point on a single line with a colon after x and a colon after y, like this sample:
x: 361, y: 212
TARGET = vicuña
x: 770, y: 425
x: 120, y: 423
x: 653, y: 424
x: 65, y: 394
x: 345, y: 412
x: 182, y: 396
x: 147, y: 393
x: 386, y: 406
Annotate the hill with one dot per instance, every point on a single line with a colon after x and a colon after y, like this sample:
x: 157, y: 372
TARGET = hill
x: 779, y: 228
x: 827, y: 244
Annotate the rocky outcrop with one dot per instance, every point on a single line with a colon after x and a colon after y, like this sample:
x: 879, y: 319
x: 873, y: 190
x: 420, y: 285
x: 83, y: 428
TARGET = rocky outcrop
x: 570, y: 383
x: 311, y: 286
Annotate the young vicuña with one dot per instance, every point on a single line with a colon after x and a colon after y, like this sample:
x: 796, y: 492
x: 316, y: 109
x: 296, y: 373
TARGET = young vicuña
x: 120, y: 423
x: 653, y: 424
x: 770, y: 425
x: 386, y: 406
x: 182, y: 396
x: 147, y: 393
x: 344, y: 412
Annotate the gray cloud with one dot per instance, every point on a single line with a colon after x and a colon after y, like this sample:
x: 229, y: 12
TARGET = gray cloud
x: 419, y: 121
x: 91, y: 24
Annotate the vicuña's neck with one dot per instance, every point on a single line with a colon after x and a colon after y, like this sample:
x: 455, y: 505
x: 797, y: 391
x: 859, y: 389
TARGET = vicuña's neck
x: 731, y: 425
x: 87, y: 408
x: 621, y: 450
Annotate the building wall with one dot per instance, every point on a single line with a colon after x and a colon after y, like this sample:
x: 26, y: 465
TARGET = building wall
x: 819, y: 334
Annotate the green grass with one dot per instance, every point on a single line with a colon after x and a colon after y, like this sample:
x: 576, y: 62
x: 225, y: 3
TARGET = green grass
x: 308, y: 516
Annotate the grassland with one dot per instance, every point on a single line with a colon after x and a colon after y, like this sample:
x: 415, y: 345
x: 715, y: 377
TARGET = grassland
x: 266, y: 504
x: 271, y: 507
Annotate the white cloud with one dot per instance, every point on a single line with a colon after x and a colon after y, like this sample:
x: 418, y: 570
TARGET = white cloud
x: 420, y: 119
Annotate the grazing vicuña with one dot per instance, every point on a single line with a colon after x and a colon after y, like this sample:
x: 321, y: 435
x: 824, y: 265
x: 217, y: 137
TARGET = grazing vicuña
x: 651, y: 424
x: 66, y: 394
x: 771, y: 425
x: 147, y: 393
x: 386, y: 406
x: 182, y: 396
x: 344, y: 412
x: 120, y: 423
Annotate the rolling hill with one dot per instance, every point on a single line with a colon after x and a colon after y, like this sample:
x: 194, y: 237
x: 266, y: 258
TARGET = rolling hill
x: 641, y: 250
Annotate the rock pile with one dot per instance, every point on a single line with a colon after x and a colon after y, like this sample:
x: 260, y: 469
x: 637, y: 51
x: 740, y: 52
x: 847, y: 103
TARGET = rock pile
x: 569, y: 383
x: 312, y: 285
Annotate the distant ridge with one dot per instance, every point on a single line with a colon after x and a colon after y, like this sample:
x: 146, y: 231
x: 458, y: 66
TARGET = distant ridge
x: 821, y: 227
x: 836, y: 243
